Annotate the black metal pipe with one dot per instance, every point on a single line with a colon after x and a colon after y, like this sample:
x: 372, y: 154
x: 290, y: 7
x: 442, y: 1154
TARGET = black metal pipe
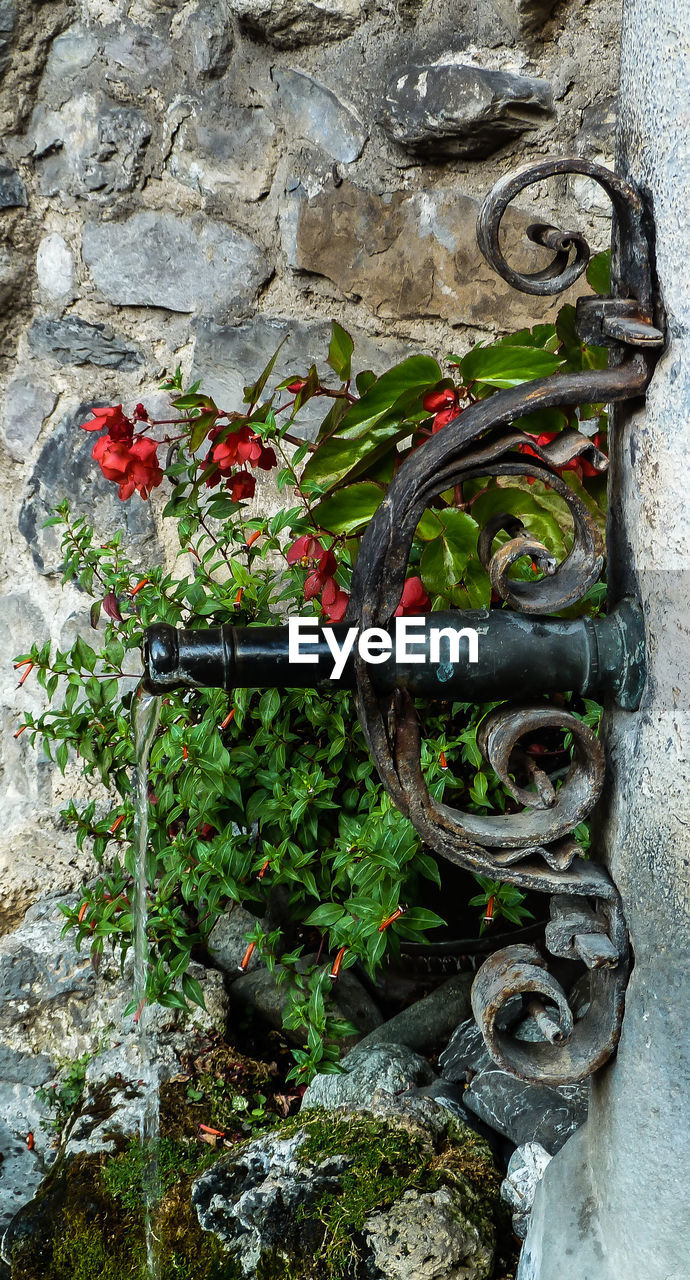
x: 516, y: 656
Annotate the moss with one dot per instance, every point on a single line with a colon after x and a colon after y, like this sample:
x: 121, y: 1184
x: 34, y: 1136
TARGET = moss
x: 385, y: 1160
x: 86, y: 1222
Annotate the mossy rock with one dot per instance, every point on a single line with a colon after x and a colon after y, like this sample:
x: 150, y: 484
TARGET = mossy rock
x: 360, y: 1196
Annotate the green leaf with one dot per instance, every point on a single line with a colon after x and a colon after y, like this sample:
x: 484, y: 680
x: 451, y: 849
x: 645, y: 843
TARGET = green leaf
x: 506, y: 366
x: 599, y: 272
x: 252, y: 393
x: 340, y: 352
x: 192, y: 990
x: 201, y: 427
x: 364, y: 381
x: 327, y: 914
x: 445, y: 560
x: 349, y: 509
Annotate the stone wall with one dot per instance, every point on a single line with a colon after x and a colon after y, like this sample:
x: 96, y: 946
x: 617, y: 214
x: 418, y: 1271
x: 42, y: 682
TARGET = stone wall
x: 186, y: 182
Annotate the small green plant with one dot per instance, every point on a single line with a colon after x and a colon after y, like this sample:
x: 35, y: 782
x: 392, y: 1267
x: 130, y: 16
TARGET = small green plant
x: 259, y: 790
x: 65, y: 1094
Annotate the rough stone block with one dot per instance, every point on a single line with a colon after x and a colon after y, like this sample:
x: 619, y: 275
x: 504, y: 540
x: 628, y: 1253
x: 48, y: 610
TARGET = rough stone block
x: 65, y: 469
x: 27, y: 405
x: 75, y: 341
x: 290, y: 23
x: 454, y: 109
x: 180, y: 264
x: 204, y: 31
x: 390, y: 1067
x: 55, y: 266
x: 413, y: 255
x: 313, y: 113
x: 234, y: 159
x: 12, y: 189
x: 527, y: 1112
x: 90, y: 146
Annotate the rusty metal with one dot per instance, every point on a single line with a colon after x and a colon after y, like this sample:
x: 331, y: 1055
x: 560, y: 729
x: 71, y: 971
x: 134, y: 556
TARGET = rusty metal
x: 534, y: 848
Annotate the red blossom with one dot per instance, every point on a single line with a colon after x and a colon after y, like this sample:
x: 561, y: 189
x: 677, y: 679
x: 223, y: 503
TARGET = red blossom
x: 334, y: 601
x: 241, y: 447
x: 112, y: 420
x: 414, y: 599
x: 443, y: 404
x: 133, y: 466
x: 296, y: 385
x: 241, y: 485
x: 304, y: 549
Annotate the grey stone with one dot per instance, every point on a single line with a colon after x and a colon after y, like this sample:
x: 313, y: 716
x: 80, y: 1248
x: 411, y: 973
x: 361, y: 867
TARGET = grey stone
x: 55, y: 266
x: 289, y: 23
x: 227, y: 941
x: 143, y: 54
x: 70, y: 53
x: 314, y: 114
x: 27, y: 405
x: 89, y: 147
x: 527, y: 1112
x: 525, y: 1170
x: 75, y: 341
x: 204, y: 31
x: 597, y: 133
x: 12, y: 189
x: 425, y: 1236
x: 259, y: 993
x: 8, y: 17
x: 179, y: 264
x: 234, y: 159
x: 21, y: 1170
x: 428, y: 1022
x: 465, y: 1052
x: 65, y: 469
x: 391, y: 1068
x: 226, y: 357
x: 255, y: 1201
x: 456, y: 110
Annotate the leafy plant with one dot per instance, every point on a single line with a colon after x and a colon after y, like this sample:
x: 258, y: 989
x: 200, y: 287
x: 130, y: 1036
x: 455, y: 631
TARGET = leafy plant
x: 259, y: 791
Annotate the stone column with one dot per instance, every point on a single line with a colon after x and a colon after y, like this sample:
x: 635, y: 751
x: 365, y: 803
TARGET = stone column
x: 615, y: 1202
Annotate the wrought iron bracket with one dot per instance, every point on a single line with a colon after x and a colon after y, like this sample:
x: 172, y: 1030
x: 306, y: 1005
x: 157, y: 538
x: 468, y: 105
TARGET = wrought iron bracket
x: 534, y: 848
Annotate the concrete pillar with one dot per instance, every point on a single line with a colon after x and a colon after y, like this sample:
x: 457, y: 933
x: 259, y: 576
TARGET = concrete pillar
x: 615, y: 1202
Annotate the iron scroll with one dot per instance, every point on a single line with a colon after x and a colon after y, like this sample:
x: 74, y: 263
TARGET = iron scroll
x: 534, y: 848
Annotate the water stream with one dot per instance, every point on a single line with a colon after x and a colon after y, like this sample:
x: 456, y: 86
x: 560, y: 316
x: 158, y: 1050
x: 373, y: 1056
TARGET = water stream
x: 146, y: 711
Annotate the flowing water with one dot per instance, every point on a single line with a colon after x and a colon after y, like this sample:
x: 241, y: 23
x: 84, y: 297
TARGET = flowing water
x: 146, y: 711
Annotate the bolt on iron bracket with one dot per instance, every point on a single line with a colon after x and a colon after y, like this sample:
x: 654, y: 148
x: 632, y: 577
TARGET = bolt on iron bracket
x: 534, y: 849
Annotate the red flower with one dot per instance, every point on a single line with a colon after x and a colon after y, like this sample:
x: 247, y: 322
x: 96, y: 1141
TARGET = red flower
x: 242, y: 446
x: 112, y: 420
x: 131, y: 465
x: 296, y: 385
x: 304, y: 549
x: 321, y: 575
x: 443, y: 404
x: 241, y: 485
x: 334, y: 601
x: 413, y: 600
